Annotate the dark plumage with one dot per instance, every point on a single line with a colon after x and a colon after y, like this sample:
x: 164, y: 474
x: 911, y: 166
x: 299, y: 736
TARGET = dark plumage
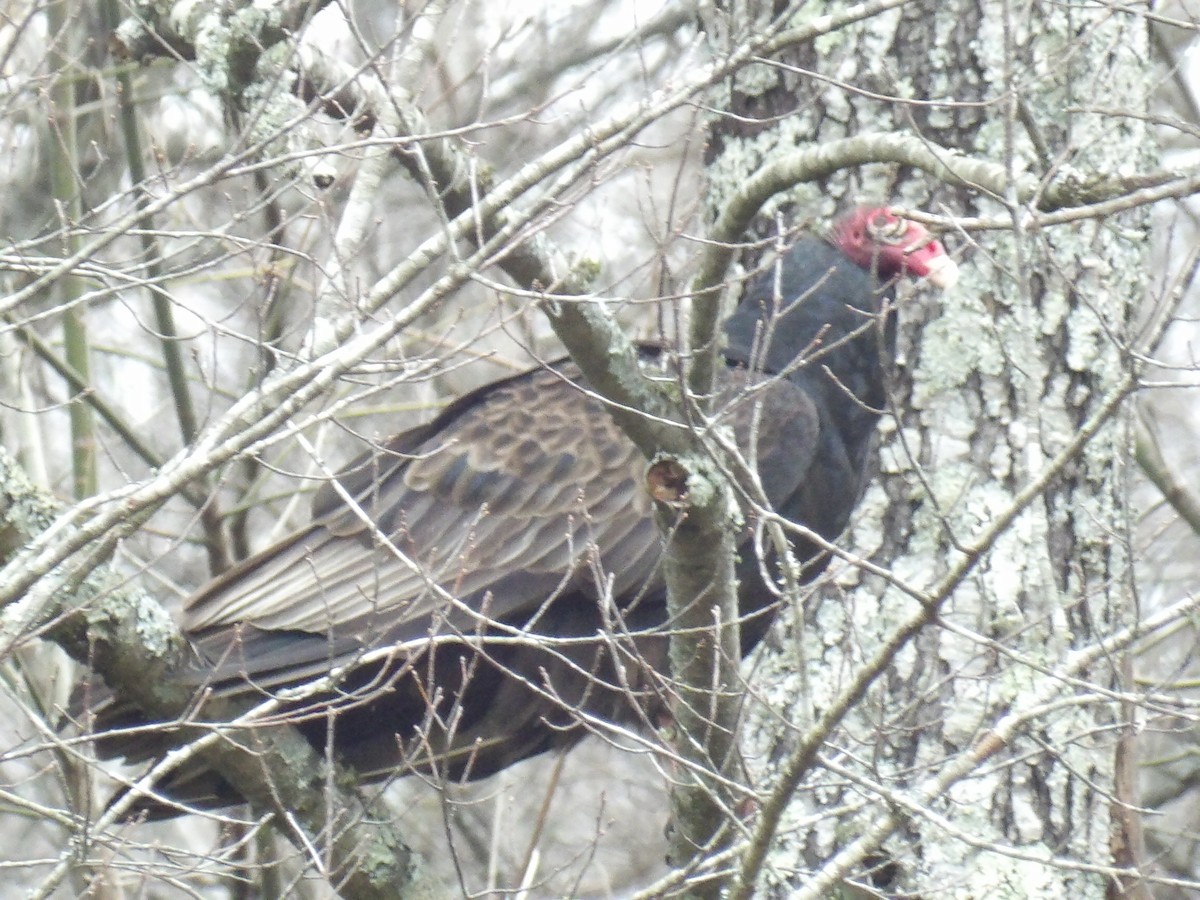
x: 514, y: 511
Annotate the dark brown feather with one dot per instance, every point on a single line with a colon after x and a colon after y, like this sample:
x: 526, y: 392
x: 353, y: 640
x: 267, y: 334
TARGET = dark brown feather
x: 506, y: 558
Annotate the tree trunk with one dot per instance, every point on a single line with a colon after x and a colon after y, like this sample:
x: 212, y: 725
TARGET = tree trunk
x: 953, y: 723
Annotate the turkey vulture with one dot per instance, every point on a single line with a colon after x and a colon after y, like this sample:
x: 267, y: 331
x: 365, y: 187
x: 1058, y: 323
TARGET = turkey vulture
x: 507, y: 551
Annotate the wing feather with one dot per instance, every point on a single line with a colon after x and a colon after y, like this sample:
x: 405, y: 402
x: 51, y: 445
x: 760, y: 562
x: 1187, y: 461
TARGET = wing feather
x: 519, y: 492
x: 521, y: 481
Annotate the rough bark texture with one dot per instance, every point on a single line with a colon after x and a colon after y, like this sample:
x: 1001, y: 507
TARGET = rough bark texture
x: 991, y: 386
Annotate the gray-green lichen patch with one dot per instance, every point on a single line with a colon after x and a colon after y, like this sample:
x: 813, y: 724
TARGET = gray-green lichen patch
x: 151, y: 626
x: 24, y: 511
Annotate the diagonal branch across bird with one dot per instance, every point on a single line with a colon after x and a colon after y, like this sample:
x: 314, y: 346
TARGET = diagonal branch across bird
x: 508, y: 549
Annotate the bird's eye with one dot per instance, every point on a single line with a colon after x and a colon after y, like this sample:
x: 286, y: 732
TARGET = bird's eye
x: 887, y: 229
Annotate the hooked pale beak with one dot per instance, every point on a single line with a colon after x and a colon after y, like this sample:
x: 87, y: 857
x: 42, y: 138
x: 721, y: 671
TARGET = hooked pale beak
x: 942, y: 272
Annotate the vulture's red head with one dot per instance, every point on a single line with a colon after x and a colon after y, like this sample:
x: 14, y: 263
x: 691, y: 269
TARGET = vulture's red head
x: 883, y: 243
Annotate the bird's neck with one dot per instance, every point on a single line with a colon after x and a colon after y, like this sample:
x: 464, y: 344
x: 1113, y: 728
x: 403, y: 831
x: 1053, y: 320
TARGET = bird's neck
x: 822, y: 321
